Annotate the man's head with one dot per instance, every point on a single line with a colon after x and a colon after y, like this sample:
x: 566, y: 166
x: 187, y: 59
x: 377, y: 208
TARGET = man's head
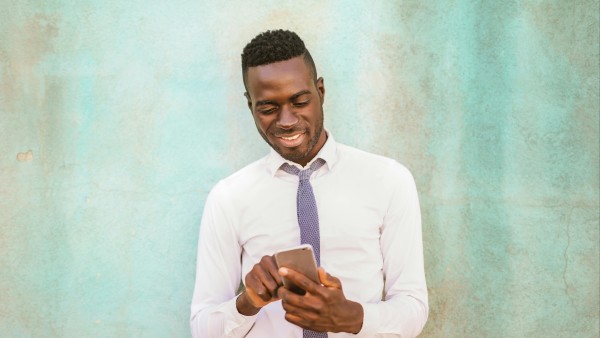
x: 274, y: 46
x: 284, y: 94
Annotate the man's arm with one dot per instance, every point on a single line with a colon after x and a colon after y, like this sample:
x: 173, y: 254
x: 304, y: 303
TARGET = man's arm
x: 405, y: 307
x: 213, y: 310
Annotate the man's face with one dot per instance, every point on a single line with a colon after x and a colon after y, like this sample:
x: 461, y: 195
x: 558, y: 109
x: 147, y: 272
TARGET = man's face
x: 287, y: 106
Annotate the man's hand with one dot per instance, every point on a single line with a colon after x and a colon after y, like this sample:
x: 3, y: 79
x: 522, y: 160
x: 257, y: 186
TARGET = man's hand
x: 262, y: 283
x: 323, y: 308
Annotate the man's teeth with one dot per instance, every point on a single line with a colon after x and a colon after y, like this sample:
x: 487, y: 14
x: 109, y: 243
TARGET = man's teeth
x: 291, y: 137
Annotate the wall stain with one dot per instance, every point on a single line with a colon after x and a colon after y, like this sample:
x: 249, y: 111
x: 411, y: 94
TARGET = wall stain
x: 21, y: 50
x: 25, y: 156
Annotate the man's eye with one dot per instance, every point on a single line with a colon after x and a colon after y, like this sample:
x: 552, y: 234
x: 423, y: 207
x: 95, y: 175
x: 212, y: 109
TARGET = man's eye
x: 267, y: 111
x: 301, y: 104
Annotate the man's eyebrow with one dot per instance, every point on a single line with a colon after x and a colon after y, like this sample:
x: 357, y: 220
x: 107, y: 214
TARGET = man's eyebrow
x: 264, y: 102
x: 292, y: 98
x: 295, y: 96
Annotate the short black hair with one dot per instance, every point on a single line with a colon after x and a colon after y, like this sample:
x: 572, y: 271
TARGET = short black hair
x: 274, y: 46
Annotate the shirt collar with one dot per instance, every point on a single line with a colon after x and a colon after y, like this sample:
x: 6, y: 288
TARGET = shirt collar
x: 328, y: 153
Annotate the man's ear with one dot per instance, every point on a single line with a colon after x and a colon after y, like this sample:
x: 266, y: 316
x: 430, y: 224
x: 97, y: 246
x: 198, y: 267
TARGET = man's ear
x: 321, y: 88
x: 249, y: 101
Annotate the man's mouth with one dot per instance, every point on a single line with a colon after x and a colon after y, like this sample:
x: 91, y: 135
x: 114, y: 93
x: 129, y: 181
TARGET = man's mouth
x: 291, y: 140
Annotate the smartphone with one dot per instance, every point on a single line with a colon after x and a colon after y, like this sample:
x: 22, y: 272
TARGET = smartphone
x: 301, y: 259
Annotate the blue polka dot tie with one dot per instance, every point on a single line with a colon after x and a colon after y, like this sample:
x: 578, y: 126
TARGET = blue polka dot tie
x: 308, y: 218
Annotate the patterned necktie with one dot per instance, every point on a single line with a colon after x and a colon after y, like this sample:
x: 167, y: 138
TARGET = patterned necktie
x: 308, y: 218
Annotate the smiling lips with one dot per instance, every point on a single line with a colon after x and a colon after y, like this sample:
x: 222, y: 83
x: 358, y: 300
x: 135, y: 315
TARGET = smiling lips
x: 291, y: 141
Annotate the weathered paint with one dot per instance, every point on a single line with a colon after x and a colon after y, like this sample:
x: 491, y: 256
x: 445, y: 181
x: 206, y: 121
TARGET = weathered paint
x: 116, y: 118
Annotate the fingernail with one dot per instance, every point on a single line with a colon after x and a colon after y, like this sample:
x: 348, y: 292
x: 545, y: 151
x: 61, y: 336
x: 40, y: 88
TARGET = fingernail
x: 283, y: 271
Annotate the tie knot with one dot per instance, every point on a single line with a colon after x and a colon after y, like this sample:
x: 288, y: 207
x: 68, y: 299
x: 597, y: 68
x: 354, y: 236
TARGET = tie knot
x: 303, y: 174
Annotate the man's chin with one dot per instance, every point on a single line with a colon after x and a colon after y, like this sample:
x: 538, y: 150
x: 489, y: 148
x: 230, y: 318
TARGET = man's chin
x: 295, y: 156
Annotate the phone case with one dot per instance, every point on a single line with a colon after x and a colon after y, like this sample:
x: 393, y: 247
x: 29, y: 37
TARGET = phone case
x: 301, y: 259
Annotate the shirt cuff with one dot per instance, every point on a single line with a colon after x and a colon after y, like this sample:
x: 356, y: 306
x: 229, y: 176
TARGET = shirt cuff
x: 371, y: 320
x: 237, y: 320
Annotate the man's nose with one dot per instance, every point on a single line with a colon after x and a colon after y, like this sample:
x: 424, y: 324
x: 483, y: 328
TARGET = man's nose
x: 287, y: 118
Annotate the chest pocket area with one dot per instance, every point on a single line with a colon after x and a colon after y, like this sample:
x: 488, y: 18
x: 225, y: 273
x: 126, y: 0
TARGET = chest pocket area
x: 348, y: 226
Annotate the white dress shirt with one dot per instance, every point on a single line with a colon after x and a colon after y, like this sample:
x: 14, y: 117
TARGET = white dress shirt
x: 370, y: 226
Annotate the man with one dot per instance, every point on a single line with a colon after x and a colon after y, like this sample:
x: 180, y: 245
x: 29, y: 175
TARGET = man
x: 366, y: 227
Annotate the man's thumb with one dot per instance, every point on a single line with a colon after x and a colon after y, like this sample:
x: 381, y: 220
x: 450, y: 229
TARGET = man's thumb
x: 328, y: 280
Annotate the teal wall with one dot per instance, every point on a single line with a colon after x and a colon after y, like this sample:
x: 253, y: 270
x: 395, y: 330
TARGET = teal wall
x: 117, y: 117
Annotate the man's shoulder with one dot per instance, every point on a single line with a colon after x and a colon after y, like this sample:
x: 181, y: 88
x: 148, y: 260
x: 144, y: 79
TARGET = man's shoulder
x: 359, y: 156
x: 372, y: 163
x: 246, y: 177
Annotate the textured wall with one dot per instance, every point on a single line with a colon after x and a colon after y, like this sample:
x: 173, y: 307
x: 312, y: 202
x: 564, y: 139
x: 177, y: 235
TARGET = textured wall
x: 117, y: 117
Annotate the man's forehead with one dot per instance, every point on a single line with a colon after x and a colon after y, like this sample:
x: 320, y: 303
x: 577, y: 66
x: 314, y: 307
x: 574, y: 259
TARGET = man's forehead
x: 286, y: 75
x: 294, y: 65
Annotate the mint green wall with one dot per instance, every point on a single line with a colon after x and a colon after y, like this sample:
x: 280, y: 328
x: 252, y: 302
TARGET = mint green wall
x: 117, y: 117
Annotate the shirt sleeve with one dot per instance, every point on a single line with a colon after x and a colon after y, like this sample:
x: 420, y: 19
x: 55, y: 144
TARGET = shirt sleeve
x: 218, y: 271
x: 404, y: 310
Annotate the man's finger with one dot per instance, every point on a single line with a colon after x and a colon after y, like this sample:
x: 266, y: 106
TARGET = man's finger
x: 290, y: 297
x: 256, y: 286
x: 300, y: 280
x: 261, y: 280
x: 295, y: 320
x: 270, y: 265
x: 328, y: 280
x: 302, y: 322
